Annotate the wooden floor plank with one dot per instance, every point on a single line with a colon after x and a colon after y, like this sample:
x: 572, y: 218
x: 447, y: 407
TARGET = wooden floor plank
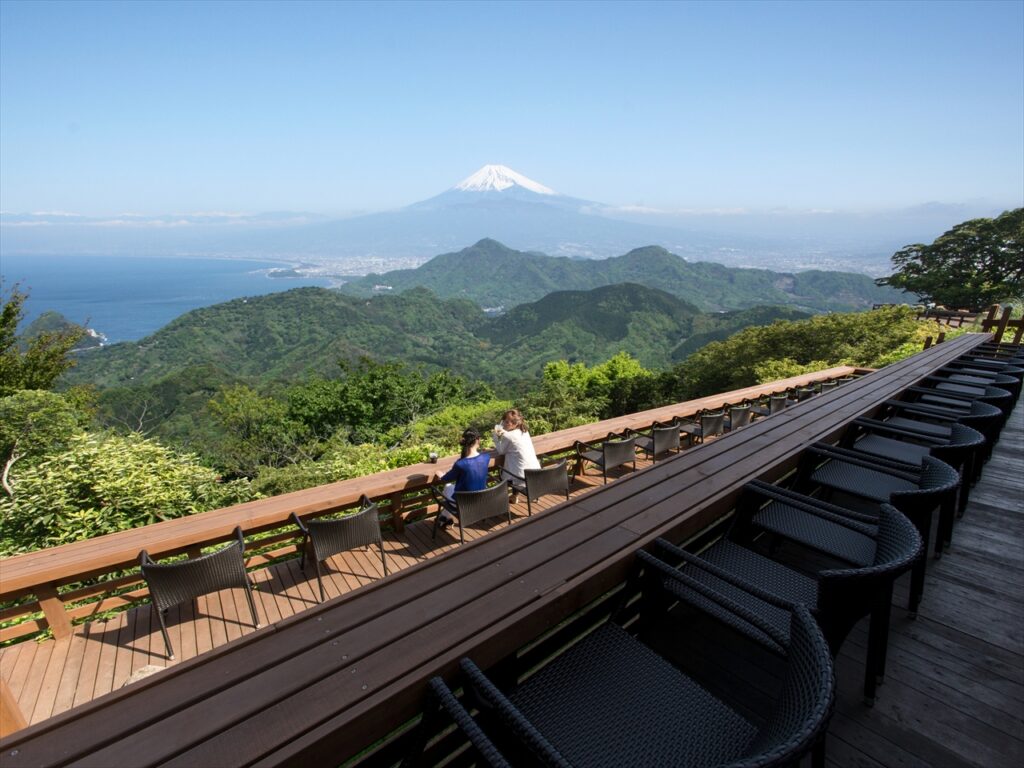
x: 51, y: 681
x: 34, y: 680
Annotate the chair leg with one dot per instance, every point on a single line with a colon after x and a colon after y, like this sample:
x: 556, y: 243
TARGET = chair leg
x: 437, y: 521
x: 818, y: 753
x: 252, y: 604
x: 320, y: 582
x: 163, y: 631
x: 916, y: 584
x: 944, y: 535
x: 383, y: 559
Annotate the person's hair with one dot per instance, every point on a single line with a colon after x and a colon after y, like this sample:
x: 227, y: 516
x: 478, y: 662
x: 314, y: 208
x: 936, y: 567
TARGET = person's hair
x: 469, y: 437
x: 515, y: 418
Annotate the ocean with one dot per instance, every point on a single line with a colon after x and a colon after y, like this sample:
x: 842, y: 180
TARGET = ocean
x: 126, y: 298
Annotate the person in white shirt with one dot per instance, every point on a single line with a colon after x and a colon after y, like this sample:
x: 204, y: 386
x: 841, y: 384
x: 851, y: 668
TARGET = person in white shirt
x: 512, y: 440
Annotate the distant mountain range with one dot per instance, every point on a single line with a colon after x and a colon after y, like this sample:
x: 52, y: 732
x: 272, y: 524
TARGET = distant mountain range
x: 499, y: 203
x: 495, y: 276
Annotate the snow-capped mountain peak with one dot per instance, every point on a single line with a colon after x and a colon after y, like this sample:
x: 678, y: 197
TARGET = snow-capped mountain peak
x: 495, y: 178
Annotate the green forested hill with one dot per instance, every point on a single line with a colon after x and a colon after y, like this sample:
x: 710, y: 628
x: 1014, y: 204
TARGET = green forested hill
x: 285, y: 335
x: 494, y: 275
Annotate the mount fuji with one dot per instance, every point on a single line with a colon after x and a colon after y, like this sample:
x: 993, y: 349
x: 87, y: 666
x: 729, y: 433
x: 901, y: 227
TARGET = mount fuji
x: 494, y: 202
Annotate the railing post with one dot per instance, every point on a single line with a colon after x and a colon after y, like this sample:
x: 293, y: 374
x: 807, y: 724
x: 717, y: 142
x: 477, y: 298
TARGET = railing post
x: 927, y: 342
x: 1003, y: 321
x: 990, y: 318
x: 397, y: 500
x: 11, y: 719
x: 54, y: 611
x: 194, y: 552
x: 942, y: 338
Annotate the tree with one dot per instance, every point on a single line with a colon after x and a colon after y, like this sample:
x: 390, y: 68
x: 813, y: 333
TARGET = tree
x: 38, y: 361
x: 973, y: 265
x: 32, y: 424
x: 257, y: 431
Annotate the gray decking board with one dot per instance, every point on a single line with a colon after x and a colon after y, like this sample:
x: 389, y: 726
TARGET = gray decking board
x: 954, y: 690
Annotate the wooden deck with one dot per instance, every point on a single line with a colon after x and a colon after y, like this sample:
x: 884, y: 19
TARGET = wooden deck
x: 52, y: 676
x: 289, y: 696
x: 954, y: 689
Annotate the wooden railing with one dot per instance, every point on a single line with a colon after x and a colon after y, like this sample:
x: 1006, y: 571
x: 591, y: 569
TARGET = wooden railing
x: 997, y: 321
x: 36, y: 579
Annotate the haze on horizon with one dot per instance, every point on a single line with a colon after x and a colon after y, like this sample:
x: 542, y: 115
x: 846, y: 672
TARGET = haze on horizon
x: 155, y: 108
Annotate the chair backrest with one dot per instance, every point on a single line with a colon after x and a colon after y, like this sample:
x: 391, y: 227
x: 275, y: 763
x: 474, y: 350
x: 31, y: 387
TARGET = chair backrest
x: 329, y: 537
x: 665, y: 439
x: 938, y: 482
x: 844, y: 380
x: 619, y: 452
x: 173, y: 583
x: 553, y: 479
x: 829, y: 385
x: 475, y: 506
x: 777, y: 403
x: 712, y: 424
x: 802, y: 393
x: 803, y: 707
x: 739, y: 416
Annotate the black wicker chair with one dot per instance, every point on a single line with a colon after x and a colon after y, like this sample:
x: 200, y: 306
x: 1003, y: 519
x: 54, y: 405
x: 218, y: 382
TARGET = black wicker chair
x: 777, y: 403
x: 866, y: 482
x: 738, y: 417
x: 962, y: 449
x: 539, y: 482
x: 947, y: 394
x: 662, y: 439
x: 870, y: 553
x: 828, y: 386
x: 803, y: 393
x: 613, y: 452
x: 1011, y: 384
x: 708, y: 424
x: 611, y: 700
x: 184, y: 580
x: 474, y: 506
x: 329, y: 537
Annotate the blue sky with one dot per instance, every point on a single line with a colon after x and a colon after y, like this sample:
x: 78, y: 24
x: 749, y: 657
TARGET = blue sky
x: 152, y: 107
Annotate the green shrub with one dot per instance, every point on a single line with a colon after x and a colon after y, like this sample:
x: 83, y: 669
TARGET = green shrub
x: 102, y: 483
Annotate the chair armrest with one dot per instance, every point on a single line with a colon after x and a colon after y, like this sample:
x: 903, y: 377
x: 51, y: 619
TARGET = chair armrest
x: 439, y: 695
x: 857, y: 459
x: 845, y: 518
x: 691, y: 559
x: 885, y: 429
x: 502, y: 472
x: 580, y: 446
x: 298, y: 522
x: 241, y: 538
x: 923, y: 409
x: 771, y: 638
x: 792, y: 497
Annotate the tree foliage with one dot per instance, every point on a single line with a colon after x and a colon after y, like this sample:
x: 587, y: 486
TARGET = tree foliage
x: 34, y: 423
x: 765, y: 353
x: 101, y: 483
x: 35, y: 363
x: 973, y: 265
